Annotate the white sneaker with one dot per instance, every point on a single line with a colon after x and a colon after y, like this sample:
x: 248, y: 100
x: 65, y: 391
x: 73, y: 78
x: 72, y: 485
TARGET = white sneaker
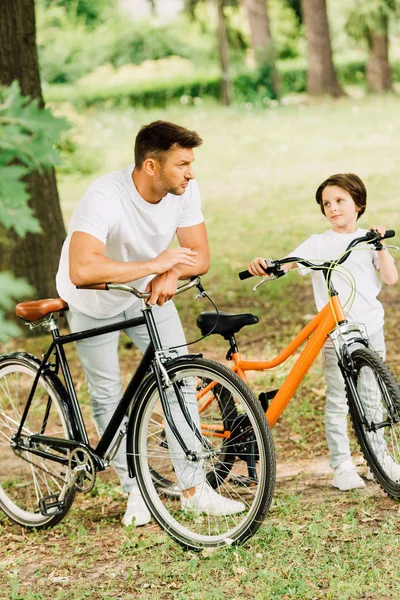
x: 346, y: 477
x: 369, y: 476
x: 391, y: 468
x: 206, y: 500
x: 136, y: 510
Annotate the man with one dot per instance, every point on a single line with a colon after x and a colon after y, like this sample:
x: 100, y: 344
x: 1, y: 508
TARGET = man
x: 120, y: 232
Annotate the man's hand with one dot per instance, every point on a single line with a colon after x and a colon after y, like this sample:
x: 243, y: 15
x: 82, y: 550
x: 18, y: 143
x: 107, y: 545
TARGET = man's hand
x: 162, y: 287
x: 174, y: 256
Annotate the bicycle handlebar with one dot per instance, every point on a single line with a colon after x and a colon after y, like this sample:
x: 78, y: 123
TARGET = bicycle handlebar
x: 371, y: 237
x: 124, y: 287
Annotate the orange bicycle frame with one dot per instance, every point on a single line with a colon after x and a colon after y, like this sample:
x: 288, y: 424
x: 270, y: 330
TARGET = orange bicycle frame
x: 316, y: 332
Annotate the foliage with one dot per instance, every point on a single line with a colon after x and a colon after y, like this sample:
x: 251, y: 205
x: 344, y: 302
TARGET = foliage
x: 155, y: 83
x: 90, y: 12
x: 27, y: 137
x: 69, y: 50
x: 368, y: 16
x: 286, y: 29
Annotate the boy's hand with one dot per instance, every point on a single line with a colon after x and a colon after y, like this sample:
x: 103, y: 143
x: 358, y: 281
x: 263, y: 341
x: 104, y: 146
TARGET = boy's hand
x: 379, y: 228
x: 257, y: 264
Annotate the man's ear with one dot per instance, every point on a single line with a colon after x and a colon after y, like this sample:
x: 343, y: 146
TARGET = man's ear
x: 149, y: 166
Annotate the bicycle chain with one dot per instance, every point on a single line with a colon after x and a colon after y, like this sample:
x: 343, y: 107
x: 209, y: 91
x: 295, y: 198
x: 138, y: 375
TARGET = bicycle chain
x: 54, y: 476
x: 40, y: 468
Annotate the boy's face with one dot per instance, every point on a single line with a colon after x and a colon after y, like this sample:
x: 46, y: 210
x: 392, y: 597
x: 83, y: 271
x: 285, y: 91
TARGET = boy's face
x: 340, y: 209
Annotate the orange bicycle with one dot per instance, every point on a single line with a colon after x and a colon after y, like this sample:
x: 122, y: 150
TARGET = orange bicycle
x: 373, y: 393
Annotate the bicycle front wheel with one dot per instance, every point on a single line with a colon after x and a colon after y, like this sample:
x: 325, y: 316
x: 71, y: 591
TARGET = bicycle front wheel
x: 28, y: 481
x: 237, y: 457
x: 374, y: 403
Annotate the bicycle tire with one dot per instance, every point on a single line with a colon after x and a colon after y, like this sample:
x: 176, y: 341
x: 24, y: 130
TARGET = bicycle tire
x: 375, y: 414
x: 217, y: 412
x: 26, y: 478
x: 197, y: 531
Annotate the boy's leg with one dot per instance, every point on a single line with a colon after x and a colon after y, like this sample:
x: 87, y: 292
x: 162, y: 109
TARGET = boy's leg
x: 336, y: 410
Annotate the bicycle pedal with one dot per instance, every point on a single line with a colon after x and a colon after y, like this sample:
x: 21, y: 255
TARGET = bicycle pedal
x: 243, y: 480
x: 265, y: 398
x: 47, y: 504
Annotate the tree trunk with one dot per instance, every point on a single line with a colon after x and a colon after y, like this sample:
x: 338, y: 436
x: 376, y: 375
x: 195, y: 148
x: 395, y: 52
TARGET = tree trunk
x: 378, y: 72
x: 35, y: 257
x: 261, y: 39
x: 321, y: 78
x: 226, y: 84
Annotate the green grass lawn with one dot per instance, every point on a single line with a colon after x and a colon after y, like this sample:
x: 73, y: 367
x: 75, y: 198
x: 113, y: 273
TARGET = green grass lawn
x: 257, y: 171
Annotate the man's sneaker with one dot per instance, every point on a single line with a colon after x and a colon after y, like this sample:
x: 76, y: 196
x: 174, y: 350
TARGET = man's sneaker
x: 346, y: 477
x: 206, y: 500
x: 136, y: 510
x: 391, y: 468
x: 369, y: 476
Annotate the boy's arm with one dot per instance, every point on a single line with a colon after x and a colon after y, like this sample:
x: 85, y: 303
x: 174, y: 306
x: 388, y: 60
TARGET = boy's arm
x: 387, y: 266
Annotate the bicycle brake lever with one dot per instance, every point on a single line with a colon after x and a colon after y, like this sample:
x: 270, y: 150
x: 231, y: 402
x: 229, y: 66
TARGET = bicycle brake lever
x: 266, y: 279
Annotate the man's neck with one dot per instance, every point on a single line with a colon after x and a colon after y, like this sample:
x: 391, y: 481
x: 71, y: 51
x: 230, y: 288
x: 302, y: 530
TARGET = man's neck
x: 145, y: 189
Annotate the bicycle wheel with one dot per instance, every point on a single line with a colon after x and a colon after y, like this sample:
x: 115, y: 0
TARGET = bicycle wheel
x: 217, y: 411
x: 27, y: 479
x: 247, y: 450
x: 374, y: 404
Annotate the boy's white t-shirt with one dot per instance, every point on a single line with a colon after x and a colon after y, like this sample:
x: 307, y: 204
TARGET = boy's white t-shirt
x: 132, y: 229
x: 363, y: 264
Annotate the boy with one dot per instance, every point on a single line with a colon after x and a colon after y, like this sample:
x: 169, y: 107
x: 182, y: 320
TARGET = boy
x: 343, y: 199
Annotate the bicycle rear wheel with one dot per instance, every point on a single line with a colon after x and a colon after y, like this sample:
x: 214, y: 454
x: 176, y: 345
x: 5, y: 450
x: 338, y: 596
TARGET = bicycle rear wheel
x: 239, y: 461
x: 27, y: 479
x: 374, y: 404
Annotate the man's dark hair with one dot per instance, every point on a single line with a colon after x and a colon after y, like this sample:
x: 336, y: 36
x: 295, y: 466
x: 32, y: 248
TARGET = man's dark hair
x: 351, y: 184
x: 158, y: 138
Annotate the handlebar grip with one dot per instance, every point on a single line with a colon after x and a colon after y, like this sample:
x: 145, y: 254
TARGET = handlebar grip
x: 245, y: 275
x: 389, y: 234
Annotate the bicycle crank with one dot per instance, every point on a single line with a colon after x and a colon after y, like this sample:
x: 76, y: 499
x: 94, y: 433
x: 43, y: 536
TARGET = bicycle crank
x: 83, y: 471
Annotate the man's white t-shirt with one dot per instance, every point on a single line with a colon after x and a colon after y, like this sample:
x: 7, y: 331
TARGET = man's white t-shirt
x: 363, y: 264
x: 132, y: 229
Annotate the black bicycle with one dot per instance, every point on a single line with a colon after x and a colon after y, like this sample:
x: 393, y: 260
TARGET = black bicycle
x: 46, y: 457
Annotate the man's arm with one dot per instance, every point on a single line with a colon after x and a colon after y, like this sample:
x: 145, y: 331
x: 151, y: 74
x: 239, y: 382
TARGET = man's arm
x: 88, y: 263
x: 163, y: 287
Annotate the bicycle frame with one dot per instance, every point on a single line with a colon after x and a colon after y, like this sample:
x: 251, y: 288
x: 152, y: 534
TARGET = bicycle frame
x: 316, y: 331
x: 150, y: 360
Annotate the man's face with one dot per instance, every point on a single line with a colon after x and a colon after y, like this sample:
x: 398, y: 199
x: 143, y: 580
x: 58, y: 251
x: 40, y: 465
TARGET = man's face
x: 173, y: 175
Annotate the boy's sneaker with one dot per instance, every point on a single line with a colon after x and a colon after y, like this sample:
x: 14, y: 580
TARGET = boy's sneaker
x: 391, y: 468
x: 346, y: 477
x: 206, y: 500
x: 136, y: 509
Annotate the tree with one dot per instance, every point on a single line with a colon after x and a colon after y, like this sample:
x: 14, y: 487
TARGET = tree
x: 321, y: 77
x: 36, y: 256
x: 369, y: 20
x: 261, y: 39
x: 226, y: 84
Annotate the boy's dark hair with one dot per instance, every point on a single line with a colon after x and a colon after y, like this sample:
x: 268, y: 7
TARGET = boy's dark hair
x: 157, y: 138
x: 350, y: 183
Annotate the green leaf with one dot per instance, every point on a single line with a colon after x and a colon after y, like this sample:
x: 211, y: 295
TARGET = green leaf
x: 12, y: 290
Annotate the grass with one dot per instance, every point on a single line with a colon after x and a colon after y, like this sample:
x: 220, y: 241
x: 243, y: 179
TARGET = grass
x: 258, y: 171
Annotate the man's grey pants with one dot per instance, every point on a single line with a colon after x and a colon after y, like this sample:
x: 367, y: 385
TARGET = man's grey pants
x: 99, y: 358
